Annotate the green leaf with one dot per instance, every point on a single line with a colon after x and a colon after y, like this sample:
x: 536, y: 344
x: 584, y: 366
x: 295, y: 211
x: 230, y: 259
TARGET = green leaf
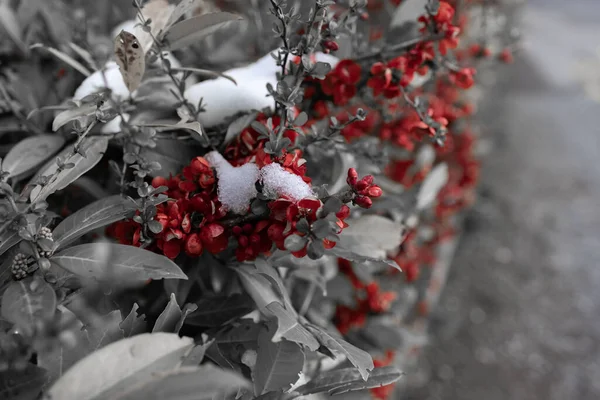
x: 59, y: 358
x: 10, y: 23
x: 133, y: 324
x: 352, y: 256
x: 340, y: 348
x: 71, y: 114
x: 105, y: 329
x: 120, y: 263
x: 278, y: 365
x: 194, y: 29
x: 372, y: 236
x: 167, y: 320
x: 295, y: 242
x: 180, y: 10
x: 258, y: 287
x: 120, y: 365
x: 22, y: 385
x: 432, y: 185
x: 8, y: 239
x: 187, y: 383
x: 29, y: 153
x: 348, y: 380
x: 27, y: 301
x: 205, y: 73
x: 64, y: 58
x: 216, y: 311
x: 95, y: 215
x: 289, y: 328
x: 92, y: 147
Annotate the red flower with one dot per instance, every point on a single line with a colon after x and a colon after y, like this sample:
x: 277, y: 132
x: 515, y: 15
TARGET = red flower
x: 463, y: 78
x: 214, y: 238
x: 341, y: 82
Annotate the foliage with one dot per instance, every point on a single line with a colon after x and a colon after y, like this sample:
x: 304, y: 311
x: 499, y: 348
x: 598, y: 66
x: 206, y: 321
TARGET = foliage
x: 181, y: 210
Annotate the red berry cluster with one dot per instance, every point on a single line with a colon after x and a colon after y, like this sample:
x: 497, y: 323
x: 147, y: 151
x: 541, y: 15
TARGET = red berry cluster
x: 368, y: 297
x: 341, y: 83
x: 364, y: 190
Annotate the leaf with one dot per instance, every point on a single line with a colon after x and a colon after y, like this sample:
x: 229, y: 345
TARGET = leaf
x: 22, y: 385
x: 59, y: 358
x: 267, y: 270
x: 340, y: 348
x: 71, y: 114
x: 215, y: 312
x: 120, y: 263
x: 123, y: 364
x: 348, y: 380
x: 64, y: 58
x: 133, y: 324
x: 289, y: 328
x: 351, y: 256
x: 258, y: 287
x: 172, y: 155
x: 431, y: 186
x: 194, y: 29
x: 372, y: 236
x: 130, y: 58
x: 205, y: 73
x: 157, y: 11
x: 237, y: 126
x: 278, y: 365
x: 10, y: 23
x: 196, y: 356
x: 180, y: 10
x: 187, y: 383
x: 167, y: 320
x: 92, y: 147
x: 26, y: 301
x: 8, y: 239
x: 95, y: 215
x: 195, y: 127
x: 105, y: 329
x: 29, y: 153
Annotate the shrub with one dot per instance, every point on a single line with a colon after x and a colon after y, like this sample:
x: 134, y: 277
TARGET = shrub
x: 194, y: 228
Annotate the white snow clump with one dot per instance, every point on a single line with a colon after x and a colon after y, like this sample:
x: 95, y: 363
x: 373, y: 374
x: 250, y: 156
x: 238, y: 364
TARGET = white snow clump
x: 279, y: 182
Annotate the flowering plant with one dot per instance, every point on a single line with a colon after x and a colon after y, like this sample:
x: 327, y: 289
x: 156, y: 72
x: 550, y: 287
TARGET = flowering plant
x: 220, y: 212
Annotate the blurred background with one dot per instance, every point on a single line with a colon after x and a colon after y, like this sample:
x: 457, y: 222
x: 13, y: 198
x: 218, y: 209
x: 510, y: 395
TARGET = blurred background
x: 520, y: 317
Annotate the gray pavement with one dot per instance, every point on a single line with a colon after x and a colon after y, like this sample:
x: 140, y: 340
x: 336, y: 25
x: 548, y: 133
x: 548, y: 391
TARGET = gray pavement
x: 520, y: 317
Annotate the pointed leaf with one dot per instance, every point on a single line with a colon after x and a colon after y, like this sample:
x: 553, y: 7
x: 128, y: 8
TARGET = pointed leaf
x: 131, y: 59
x: 26, y: 301
x: 289, y: 328
x: 351, y: 256
x: 121, y: 263
x: 258, y: 287
x: 95, y: 215
x: 123, y: 364
x: 278, y: 365
x: 8, y: 239
x: 205, y: 73
x: 372, y: 236
x: 133, y: 324
x: 432, y: 185
x: 92, y: 147
x: 192, y: 30
x: 71, y: 114
x: 187, y: 383
x: 167, y: 320
x: 64, y: 58
x: 29, y: 153
x: 216, y: 311
x: 349, y: 379
x: 340, y: 348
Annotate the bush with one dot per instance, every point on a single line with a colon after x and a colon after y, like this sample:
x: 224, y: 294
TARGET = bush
x: 212, y: 217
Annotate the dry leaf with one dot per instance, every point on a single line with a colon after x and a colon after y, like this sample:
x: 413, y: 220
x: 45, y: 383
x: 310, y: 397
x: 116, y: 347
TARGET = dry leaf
x: 159, y: 12
x: 131, y: 59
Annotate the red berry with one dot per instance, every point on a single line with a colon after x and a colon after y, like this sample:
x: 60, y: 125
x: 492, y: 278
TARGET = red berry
x: 352, y: 177
x: 374, y: 191
x: 363, y: 201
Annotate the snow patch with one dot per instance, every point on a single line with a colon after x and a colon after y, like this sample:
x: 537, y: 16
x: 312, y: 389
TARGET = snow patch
x: 236, y: 185
x: 279, y: 182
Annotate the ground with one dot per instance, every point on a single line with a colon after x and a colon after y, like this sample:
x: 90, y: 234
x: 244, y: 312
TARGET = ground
x: 520, y: 317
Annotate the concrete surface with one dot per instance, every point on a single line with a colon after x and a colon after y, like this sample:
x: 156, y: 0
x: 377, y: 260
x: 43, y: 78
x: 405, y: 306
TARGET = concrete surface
x: 520, y: 317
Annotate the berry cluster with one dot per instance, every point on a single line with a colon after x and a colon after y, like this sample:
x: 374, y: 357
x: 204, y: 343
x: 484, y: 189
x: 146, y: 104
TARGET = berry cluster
x: 20, y: 266
x: 364, y: 190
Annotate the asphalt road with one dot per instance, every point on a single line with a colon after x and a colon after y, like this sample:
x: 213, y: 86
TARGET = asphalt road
x: 520, y: 317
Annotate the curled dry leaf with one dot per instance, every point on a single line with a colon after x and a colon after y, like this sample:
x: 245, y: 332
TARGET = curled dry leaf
x: 131, y: 59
